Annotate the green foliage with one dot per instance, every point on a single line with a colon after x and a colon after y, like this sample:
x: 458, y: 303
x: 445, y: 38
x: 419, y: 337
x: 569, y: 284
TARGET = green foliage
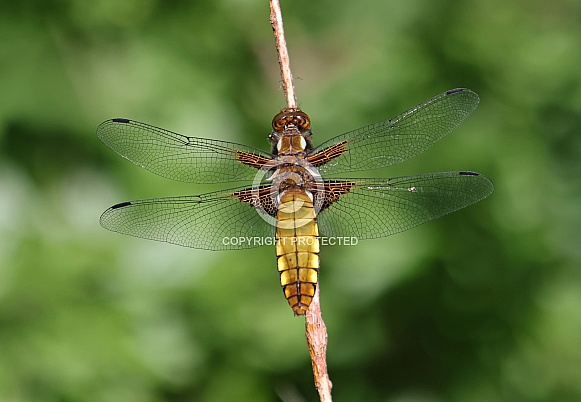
x: 481, y: 305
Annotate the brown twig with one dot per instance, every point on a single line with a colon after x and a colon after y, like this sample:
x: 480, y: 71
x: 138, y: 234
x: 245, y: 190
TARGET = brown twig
x: 283, y: 59
x: 315, y: 328
x: 317, y: 341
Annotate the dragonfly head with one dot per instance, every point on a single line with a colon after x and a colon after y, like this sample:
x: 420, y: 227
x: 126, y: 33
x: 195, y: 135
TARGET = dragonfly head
x: 292, y: 132
x: 291, y: 117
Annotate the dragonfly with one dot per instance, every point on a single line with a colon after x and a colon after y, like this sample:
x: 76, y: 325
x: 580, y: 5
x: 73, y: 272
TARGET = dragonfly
x: 294, y: 200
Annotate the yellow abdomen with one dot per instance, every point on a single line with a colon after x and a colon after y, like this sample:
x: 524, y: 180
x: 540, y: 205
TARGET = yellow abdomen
x: 297, y: 249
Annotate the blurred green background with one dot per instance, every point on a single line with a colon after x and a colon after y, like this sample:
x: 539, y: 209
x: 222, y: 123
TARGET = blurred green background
x: 481, y: 305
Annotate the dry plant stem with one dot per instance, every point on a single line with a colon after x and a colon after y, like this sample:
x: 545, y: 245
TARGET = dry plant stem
x: 316, y: 330
x: 283, y: 59
x: 317, y: 341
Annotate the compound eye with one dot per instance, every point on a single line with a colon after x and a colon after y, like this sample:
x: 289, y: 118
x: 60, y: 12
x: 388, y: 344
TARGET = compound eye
x: 280, y: 121
x: 302, y: 121
x: 291, y: 116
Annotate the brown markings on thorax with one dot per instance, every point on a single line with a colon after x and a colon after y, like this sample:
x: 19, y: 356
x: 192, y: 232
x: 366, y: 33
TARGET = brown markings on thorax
x: 292, y: 144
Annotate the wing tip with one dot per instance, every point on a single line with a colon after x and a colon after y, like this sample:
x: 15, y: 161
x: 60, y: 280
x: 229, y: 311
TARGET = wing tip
x: 455, y: 91
x: 466, y: 91
x: 120, y: 120
x: 121, y: 205
x: 485, y: 180
x: 104, y: 127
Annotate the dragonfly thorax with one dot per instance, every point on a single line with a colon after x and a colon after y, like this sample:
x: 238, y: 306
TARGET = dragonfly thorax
x: 293, y: 176
x: 291, y: 145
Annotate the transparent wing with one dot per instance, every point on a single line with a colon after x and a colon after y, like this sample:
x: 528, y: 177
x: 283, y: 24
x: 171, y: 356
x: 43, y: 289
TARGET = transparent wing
x: 178, y: 157
x: 371, y: 208
x: 212, y: 221
x: 395, y: 140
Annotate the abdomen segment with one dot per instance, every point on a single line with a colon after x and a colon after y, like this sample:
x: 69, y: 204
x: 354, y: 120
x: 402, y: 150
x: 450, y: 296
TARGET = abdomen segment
x: 297, y: 248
